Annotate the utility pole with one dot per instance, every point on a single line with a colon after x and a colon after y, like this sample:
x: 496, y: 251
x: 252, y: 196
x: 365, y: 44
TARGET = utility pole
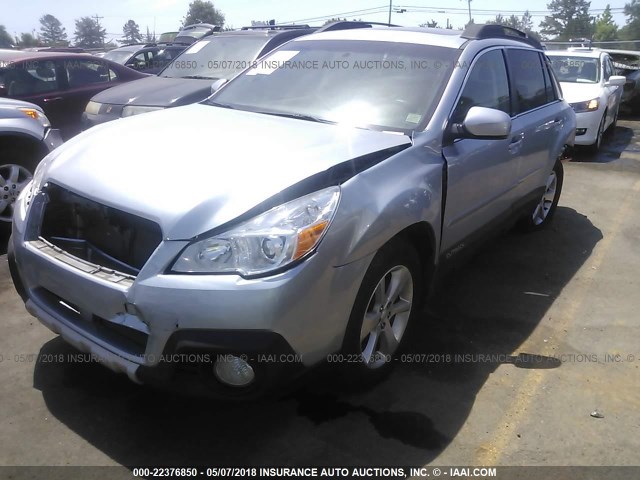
x: 469, y: 2
x: 390, y: 8
x: 98, y: 25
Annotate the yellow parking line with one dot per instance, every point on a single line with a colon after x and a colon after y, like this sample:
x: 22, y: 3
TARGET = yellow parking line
x: 489, y: 453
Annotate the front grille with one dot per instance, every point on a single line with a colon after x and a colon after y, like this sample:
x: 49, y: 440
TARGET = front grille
x: 97, y: 233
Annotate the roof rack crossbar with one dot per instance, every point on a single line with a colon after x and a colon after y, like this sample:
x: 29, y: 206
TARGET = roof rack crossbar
x: 275, y: 27
x: 480, y: 31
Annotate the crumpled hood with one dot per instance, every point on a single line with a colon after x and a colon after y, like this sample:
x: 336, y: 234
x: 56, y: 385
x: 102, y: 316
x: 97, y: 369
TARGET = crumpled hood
x: 194, y: 168
x: 157, y: 91
x: 580, y: 92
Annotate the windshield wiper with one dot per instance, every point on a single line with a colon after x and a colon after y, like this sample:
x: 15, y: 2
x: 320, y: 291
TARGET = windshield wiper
x: 298, y: 116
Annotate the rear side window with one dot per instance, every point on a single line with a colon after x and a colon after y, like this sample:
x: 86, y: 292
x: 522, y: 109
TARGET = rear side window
x: 487, y: 86
x: 528, y: 79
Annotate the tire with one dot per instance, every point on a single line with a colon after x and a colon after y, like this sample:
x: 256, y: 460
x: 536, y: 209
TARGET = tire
x: 612, y: 128
x: 595, y: 147
x: 375, y: 332
x: 545, y: 209
x: 17, y: 166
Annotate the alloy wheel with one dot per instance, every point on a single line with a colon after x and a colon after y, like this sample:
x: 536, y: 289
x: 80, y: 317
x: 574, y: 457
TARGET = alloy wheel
x: 544, y: 207
x: 386, y: 317
x: 13, y: 179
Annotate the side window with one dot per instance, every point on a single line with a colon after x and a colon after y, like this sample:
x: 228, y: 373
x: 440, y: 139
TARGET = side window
x: 549, y: 84
x: 139, y: 62
x: 487, y: 85
x: 33, y: 77
x: 528, y: 79
x: 608, y: 69
x: 113, y: 76
x: 86, y: 72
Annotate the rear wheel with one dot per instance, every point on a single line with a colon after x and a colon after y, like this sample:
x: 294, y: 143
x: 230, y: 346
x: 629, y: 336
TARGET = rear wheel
x: 383, y: 310
x: 545, y: 209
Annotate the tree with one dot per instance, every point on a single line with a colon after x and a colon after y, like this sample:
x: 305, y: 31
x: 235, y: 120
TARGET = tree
x: 431, y: 24
x: 27, y: 40
x: 524, y: 24
x: 149, y: 38
x: 568, y: 19
x: 89, y: 33
x: 131, y: 32
x: 203, y: 12
x: 606, y: 28
x: 631, y: 31
x: 6, y: 41
x: 52, y: 32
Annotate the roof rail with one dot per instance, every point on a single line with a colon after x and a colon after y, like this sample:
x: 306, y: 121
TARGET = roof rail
x: 275, y: 27
x: 480, y: 31
x: 351, y: 24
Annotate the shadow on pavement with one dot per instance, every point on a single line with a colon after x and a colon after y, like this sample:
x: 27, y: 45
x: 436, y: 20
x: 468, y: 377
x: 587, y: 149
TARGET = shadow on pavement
x: 488, y: 307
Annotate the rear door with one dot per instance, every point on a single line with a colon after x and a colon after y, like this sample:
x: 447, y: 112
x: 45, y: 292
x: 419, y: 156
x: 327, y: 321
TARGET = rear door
x: 39, y: 82
x: 481, y: 174
x: 539, y: 116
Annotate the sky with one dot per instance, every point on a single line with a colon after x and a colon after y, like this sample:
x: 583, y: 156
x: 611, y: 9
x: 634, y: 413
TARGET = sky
x: 166, y: 15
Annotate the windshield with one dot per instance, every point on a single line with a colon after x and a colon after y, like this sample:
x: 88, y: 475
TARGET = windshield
x: 118, y: 56
x: 576, y: 69
x: 217, y: 57
x: 377, y: 85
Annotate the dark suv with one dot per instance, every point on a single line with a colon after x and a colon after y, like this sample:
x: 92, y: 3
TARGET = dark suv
x: 146, y: 58
x: 189, y: 78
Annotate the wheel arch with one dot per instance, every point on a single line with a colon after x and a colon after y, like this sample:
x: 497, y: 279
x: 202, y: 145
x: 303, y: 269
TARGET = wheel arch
x: 35, y: 148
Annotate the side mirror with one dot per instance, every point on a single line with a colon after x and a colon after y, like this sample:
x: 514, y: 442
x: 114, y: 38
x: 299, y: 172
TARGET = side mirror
x: 215, y: 86
x: 483, y: 123
x: 616, y: 81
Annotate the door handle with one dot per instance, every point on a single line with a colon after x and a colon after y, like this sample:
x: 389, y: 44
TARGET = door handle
x: 516, y: 143
x: 52, y: 99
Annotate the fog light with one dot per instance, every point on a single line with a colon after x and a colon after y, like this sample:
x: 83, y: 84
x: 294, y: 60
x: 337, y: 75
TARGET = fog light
x: 580, y: 131
x: 233, y: 371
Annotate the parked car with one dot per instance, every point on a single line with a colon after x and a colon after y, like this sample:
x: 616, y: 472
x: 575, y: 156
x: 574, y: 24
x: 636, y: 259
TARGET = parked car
x: 335, y: 186
x: 590, y: 85
x: 193, y: 33
x: 627, y: 64
x: 146, y: 58
x: 190, y: 77
x: 26, y: 137
x: 60, y: 83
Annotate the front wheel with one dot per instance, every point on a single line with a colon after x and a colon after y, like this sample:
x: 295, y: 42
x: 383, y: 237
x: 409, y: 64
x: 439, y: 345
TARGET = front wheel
x: 16, y: 170
x: 595, y: 147
x: 384, y: 308
x: 545, y: 209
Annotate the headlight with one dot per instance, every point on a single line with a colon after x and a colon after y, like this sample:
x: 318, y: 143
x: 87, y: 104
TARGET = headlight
x: 266, y: 243
x: 588, y: 106
x: 93, y: 108
x: 37, y: 115
x: 131, y: 110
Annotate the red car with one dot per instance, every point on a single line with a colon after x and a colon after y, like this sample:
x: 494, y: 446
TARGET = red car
x: 61, y: 83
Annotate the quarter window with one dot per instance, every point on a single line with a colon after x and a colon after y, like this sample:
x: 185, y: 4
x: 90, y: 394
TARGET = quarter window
x: 487, y: 86
x: 528, y: 79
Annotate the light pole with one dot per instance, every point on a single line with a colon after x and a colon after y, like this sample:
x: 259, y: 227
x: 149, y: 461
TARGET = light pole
x: 390, y: 7
x: 469, y: 2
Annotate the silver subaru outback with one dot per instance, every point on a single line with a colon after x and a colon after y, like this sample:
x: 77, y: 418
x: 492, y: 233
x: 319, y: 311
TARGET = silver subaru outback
x: 300, y: 213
